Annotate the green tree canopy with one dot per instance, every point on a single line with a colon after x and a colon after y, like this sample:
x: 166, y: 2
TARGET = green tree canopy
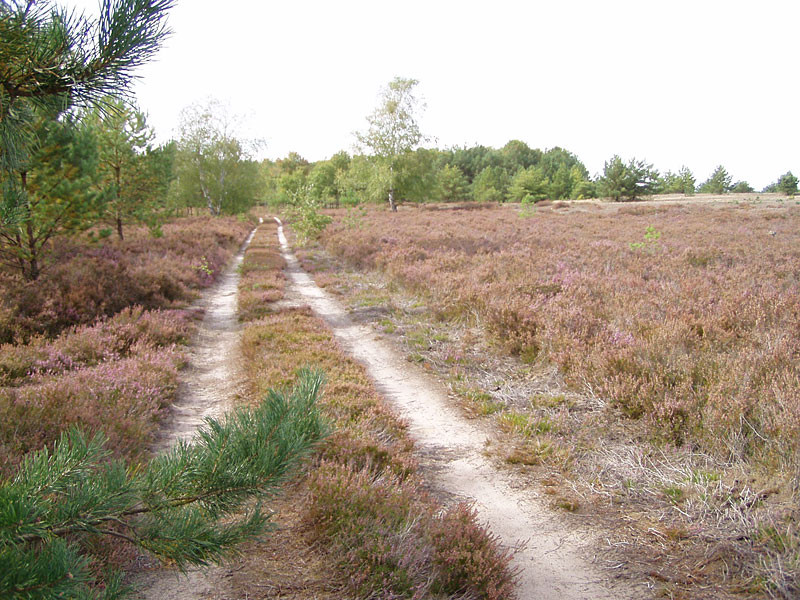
x: 124, y: 139
x: 53, y: 192
x: 454, y: 186
x: 474, y: 160
x: 392, y: 132
x: 556, y: 159
x: 682, y: 182
x: 718, y: 183
x: 491, y: 185
x: 742, y: 187
x: 52, y: 58
x: 528, y: 185
x: 786, y: 184
x: 518, y: 155
x: 213, y: 167
x: 627, y: 181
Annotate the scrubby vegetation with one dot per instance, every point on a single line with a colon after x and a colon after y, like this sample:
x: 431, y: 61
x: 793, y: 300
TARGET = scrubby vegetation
x: 189, y: 505
x: 672, y: 334
x: 96, y: 341
x: 363, y: 497
x: 85, y: 280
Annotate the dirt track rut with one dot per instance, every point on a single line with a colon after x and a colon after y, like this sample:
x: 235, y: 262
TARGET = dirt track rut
x: 555, y: 561
x: 207, y: 388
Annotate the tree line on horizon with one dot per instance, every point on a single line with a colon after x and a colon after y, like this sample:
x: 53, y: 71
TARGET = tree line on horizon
x: 93, y: 167
x: 391, y: 164
x: 513, y: 173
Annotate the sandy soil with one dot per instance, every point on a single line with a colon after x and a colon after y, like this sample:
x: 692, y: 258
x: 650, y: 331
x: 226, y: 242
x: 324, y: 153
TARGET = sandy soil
x: 555, y: 561
x: 208, y: 386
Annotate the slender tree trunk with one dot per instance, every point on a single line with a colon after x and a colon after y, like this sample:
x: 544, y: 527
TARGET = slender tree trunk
x: 392, y: 203
x: 118, y: 215
x: 20, y: 258
x: 32, y: 259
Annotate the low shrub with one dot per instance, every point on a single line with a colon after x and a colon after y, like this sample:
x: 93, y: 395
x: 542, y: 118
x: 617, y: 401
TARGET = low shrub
x: 125, y: 398
x: 364, y: 499
x: 131, y: 330
x: 464, y: 553
x: 695, y: 349
x: 87, y: 280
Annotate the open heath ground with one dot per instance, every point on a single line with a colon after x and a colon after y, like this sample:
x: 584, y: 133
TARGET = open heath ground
x: 669, y: 338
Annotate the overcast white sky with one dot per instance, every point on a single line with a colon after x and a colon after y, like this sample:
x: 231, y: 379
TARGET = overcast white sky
x: 676, y: 82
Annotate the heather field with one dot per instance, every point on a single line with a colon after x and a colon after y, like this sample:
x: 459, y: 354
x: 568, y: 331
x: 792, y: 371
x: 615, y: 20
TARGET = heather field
x: 96, y: 340
x: 646, y: 359
x: 360, y: 523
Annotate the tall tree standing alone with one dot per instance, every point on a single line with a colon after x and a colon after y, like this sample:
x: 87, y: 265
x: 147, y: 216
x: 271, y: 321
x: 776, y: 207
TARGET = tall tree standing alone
x: 393, y: 131
x: 123, y: 137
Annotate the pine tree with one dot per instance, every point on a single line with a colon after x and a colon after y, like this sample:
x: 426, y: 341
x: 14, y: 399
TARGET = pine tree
x: 124, y: 138
x: 490, y: 185
x: 454, y: 185
x: 528, y: 186
x: 51, y: 193
x: 52, y: 58
x: 192, y: 505
x: 718, y: 183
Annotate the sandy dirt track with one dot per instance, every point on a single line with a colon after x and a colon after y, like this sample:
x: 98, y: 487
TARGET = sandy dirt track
x: 208, y: 385
x: 555, y: 561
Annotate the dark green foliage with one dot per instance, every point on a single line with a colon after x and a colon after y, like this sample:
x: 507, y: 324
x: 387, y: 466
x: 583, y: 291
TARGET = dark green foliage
x: 453, y: 184
x: 473, y: 161
x: 189, y: 505
x: 491, y: 185
x: 416, y: 177
x: 630, y: 181
x: 51, y: 58
x: 682, y: 182
x: 742, y: 187
x: 529, y: 186
x: 786, y: 184
x: 49, y: 193
x: 518, y: 155
x: 127, y: 166
x: 557, y: 159
x: 718, y: 183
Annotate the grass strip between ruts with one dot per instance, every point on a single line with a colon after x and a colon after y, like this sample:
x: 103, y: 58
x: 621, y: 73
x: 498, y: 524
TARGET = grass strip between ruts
x: 363, y: 499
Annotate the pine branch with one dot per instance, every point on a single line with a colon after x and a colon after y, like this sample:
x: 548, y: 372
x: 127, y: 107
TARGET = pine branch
x: 183, y: 506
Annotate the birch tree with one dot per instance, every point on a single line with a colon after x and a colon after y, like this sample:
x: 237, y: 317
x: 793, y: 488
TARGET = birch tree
x: 213, y: 166
x: 393, y: 132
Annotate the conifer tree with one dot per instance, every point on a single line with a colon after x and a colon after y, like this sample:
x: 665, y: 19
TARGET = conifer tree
x: 54, y: 58
x: 51, y: 60
x: 191, y: 506
x: 124, y: 139
x: 51, y: 193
